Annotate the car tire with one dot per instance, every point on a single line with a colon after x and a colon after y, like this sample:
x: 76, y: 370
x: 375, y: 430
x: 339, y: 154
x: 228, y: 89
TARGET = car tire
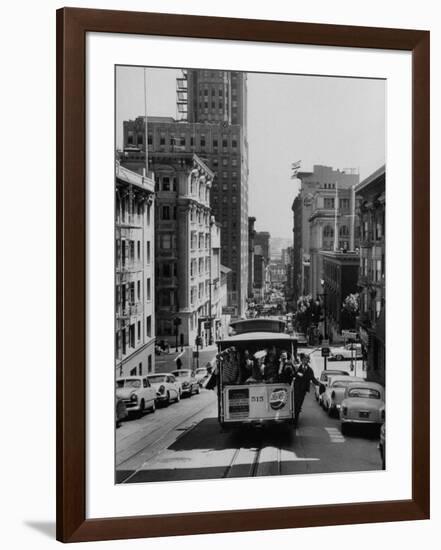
x: 153, y: 407
x: 344, y: 428
x: 198, y: 389
x: 168, y: 399
x: 141, y: 408
x: 178, y: 396
x: 331, y: 412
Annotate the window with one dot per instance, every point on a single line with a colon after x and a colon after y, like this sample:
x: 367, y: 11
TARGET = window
x: 149, y: 289
x: 166, y: 183
x: 215, y: 142
x: 329, y: 202
x: 182, y: 140
x: 202, y: 140
x: 149, y: 364
x: 138, y: 289
x: 148, y: 251
x: 139, y: 331
x: 149, y: 325
x: 224, y: 141
x: 162, y: 140
x: 344, y: 204
x: 138, y: 249
x: 150, y: 139
x: 132, y: 250
x: 166, y: 270
x: 166, y: 241
x: 140, y: 139
x: 165, y: 212
x: 344, y: 231
x: 234, y: 143
x: 132, y: 336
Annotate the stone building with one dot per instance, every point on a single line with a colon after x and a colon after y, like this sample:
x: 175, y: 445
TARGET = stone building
x: 212, y: 124
x: 183, y: 259
x: 134, y: 273
x: 371, y: 194
x: 324, y: 219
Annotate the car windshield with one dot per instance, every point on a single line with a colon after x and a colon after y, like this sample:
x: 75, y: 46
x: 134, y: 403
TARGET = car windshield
x: 201, y: 371
x: 128, y: 383
x: 368, y: 393
x: 156, y: 379
x: 181, y: 373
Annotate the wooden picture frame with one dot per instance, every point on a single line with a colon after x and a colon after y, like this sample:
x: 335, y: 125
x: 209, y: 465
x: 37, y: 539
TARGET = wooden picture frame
x: 72, y: 26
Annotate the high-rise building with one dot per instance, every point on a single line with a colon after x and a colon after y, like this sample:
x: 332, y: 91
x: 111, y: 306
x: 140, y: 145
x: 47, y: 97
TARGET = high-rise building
x: 134, y: 273
x: 324, y: 219
x: 212, y: 123
x: 251, y: 236
x: 262, y: 240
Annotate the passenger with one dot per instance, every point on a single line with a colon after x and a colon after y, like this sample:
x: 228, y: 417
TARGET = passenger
x: 256, y: 374
x: 286, y: 370
x: 271, y: 366
x: 246, y: 367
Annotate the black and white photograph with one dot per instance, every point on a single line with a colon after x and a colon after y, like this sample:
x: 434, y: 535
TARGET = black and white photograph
x: 250, y: 307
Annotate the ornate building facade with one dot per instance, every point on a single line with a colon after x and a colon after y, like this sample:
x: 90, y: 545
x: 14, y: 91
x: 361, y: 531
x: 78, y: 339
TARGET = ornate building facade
x: 134, y: 273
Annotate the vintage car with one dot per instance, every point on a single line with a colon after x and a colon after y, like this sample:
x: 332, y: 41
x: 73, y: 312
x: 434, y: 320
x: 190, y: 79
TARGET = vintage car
x: 335, y: 391
x: 349, y: 351
x: 166, y: 387
x: 120, y: 411
x: 324, y: 376
x: 363, y: 403
x: 137, y: 394
x: 186, y: 379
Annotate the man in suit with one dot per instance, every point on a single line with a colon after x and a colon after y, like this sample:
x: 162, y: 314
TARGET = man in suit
x: 303, y: 377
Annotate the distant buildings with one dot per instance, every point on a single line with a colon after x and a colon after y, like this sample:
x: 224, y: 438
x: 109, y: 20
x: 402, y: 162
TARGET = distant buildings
x: 262, y: 243
x: 251, y: 244
x: 134, y: 273
x: 372, y: 206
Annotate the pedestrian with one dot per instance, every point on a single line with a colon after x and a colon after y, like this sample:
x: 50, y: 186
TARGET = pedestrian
x: 303, y: 377
x: 178, y: 363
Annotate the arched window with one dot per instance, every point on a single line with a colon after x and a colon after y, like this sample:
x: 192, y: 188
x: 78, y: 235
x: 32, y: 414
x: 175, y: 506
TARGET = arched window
x: 344, y: 231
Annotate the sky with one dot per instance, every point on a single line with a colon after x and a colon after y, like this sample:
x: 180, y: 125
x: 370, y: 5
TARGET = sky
x: 338, y: 122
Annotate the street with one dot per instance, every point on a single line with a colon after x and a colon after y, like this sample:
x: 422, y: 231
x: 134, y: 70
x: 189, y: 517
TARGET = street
x: 184, y: 441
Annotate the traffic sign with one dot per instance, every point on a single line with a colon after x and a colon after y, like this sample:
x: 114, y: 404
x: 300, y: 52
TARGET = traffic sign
x: 326, y: 352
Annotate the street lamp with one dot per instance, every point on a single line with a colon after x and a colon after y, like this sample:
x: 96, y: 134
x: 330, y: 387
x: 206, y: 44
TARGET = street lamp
x: 324, y: 295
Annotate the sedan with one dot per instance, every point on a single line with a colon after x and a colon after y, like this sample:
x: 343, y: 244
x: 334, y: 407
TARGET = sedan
x: 335, y: 391
x: 363, y: 403
x: 324, y: 376
x: 166, y: 387
x: 189, y: 384
x: 137, y: 394
x: 349, y: 351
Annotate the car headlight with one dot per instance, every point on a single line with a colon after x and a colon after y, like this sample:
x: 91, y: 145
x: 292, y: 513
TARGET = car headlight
x: 134, y: 397
x: 184, y: 384
x: 161, y: 389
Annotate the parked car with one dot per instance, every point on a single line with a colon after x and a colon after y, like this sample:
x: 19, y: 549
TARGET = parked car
x: 363, y: 403
x: 201, y: 374
x: 137, y: 394
x: 187, y: 380
x: 349, y: 351
x: 166, y: 387
x: 335, y: 391
x: 382, y: 445
x: 120, y: 411
x: 324, y: 376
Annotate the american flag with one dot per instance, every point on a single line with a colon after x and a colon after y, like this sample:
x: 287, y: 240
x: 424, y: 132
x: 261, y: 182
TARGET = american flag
x: 295, y: 167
